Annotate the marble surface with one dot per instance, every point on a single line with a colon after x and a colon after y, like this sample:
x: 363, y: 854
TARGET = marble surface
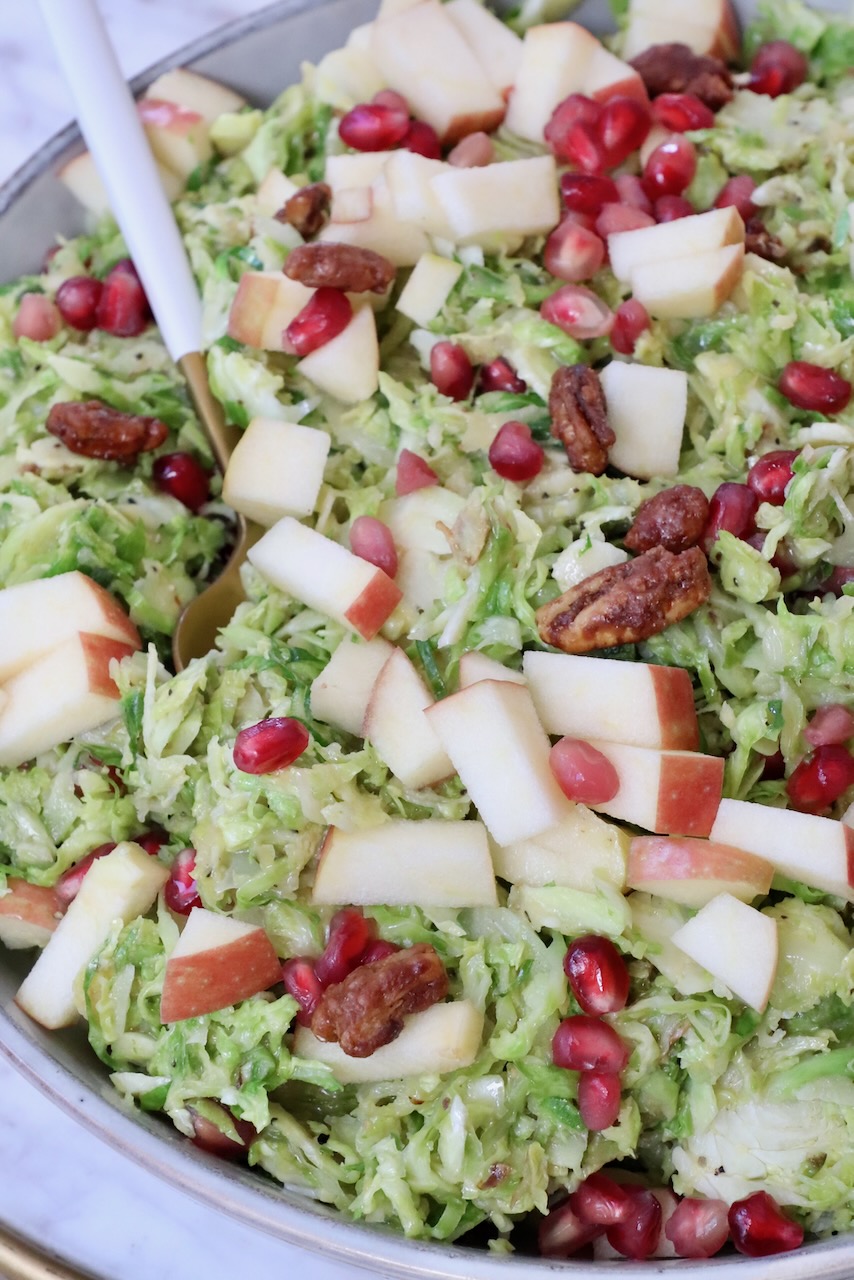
x: 61, y: 1186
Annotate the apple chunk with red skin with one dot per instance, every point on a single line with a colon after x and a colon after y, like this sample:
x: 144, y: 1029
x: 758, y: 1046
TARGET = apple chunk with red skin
x: 217, y: 962
x: 669, y: 792
x: 82, y: 179
x: 817, y: 851
x: 207, y: 98
x: 737, y: 944
x: 695, y: 871
x: 265, y: 304
x: 178, y: 137
x: 29, y: 914
x: 326, y: 576
x: 710, y: 27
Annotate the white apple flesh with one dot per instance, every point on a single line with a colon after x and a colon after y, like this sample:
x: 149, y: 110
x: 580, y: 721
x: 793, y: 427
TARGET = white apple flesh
x: 554, y: 62
x: 383, y: 230
x: 217, y: 962
x: 418, y: 520
x: 178, y: 137
x: 475, y: 667
x: 341, y: 693
x: 582, y: 852
x: 274, y: 193
x: 29, y: 914
x: 82, y: 179
x: 496, y: 47
x: 209, y: 98
x: 647, y: 407
x: 737, y: 944
x: 818, y: 851
x: 265, y: 304
x: 668, y: 792
x: 409, y: 177
x: 689, y: 288
x: 276, y: 470
x: 428, y: 288
x: 684, y: 238
x: 518, y: 197
x: 695, y: 871
x: 348, y: 367
x: 399, y: 731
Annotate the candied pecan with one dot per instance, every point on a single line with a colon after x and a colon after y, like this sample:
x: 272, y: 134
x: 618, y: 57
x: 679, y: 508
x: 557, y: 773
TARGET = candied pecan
x: 675, y: 68
x: 579, y: 416
x: 339, y: 266
x: 674, y: 519
x: 96, y: 430
x: 367, y: 1009
x: 628, y: 602
x: 307, y: 209
x: 759, y: 240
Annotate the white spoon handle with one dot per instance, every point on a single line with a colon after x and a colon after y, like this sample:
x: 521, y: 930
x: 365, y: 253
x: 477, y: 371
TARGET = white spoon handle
x: 113, y: 133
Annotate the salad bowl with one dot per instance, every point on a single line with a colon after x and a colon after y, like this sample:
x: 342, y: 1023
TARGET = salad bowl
x: 258, y: 57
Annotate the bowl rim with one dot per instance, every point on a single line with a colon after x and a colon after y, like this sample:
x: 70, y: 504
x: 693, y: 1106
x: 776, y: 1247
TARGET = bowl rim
x: 286, y: 1213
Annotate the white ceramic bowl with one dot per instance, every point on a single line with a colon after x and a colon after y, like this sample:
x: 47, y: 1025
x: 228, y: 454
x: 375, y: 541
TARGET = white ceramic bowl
x: 259, y: 56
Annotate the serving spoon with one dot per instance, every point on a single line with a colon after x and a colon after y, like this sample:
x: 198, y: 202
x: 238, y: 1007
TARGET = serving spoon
x: 111, y: 128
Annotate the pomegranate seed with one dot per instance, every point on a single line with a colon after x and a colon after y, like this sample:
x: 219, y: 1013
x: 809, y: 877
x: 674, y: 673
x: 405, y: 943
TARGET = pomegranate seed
x: 670, y: 168
x: 830, y: 726
x: 501, y: 376
x: 672, y: 208
x: 732, y: 509
x: 574, y: 110
x: 514, y: 455
x: 599, y: 1096
x: 819, y: 781
x: 841, y: 577
x: 778, y: 67
x: 697, y: 1228
x: 209, y: 1137
x: 270, y: 745
x: 378, y: 950
x: 680, y: 112
x: 389, y: 98
x: 578, y: 312
x: 601, y: 1201
x: 737, y: 193
x: 413, y: 473
x: 68, y: 885
x: 374, y: 126
x: 630, y: 321
x: 621, y: 217
x: 37, y: 318
x: 638, y: 1234
x: 582, y: 772
x: 782, y: 559
x: 573, y: 253
x: 587, y: 192
x: 583, y: 149
x: 774, y: 767
x: 622, y: 128
x: 326, y: 314
x: 423, y: 139
x: 152, y: 842
x: 597, y: 974
x: 301, y: 982
x: 451, y: 370
x: 77, y: 299
x: 760, y: 1228
x: 809, y: 386
x: 122, y: 308
x: 373, y: 541
x: 582, y: 1043
x: 183, y: 477
x: 562, y: 1233
x: 771, y: 474
x: 181, y: 891
x: 474, y: 152
x: 350, y: 935
x: 631, y: 192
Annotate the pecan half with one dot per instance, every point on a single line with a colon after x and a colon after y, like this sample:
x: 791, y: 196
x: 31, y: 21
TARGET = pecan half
x: 759, y: 240
x: 307, y: 209
x: 674, y: 519
x: 579, y: 417
x: 675, y: 68
x: 367, y: 1009
x: 95, y: 430
x: 339, y: 266
x: 628, y: 602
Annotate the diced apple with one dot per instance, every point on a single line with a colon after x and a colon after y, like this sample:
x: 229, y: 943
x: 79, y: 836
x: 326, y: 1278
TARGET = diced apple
x: 120, y: 886
x: 325, y: 576
x: 409, y: 177
x: 501, y: 752
x: 401, y: 242
x: 555, y: 58
x: 669, y: 792
x: 347, y: 76
x: 517, y: 197
x: 737, y: 944
x: 581, y: 852
x: 632, y: 702
x: 695, y: 871
x: 421, y: 576
x: 217, y: 961
x: 710, y: 27
x: 428, y: 288
x: 647, y: 407
x: 388, y: 8
x: 274, y: 193
x: 415, y: 518
x: 359, y: 170
x: 351, y: 204
x: 496, y: 47
x: 360, y: 37
x: 653, y: 140
x: 475, y: 667
x: 341, y: 693
x: 434, y: 863
x: 65, y: 692
x: 446, y: 1037
x: 276, y: 470
x: 656, y: 920
x: 177, y: 136
x: 608, y: 77
x: 818, y: 851
x: 644, y: 31
x: 82, y: 179
x: 196, y: 92
x: 422, y: 55
x: 684, y: 238
x: 29, y: 914
x: 37, y: 616
x: 689, y: 288
x: 348, y: 367
x: 399, y: 731
x: 584, y: 557
x: 265, y: 304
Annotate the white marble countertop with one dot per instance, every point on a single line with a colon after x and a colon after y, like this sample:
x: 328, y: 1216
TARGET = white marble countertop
x: 62, y: 1186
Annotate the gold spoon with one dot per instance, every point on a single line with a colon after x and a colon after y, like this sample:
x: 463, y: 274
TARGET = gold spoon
x: 19, y: 1260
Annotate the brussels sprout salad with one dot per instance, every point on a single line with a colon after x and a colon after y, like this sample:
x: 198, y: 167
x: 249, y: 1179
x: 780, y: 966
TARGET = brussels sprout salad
x: 492, y: 878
